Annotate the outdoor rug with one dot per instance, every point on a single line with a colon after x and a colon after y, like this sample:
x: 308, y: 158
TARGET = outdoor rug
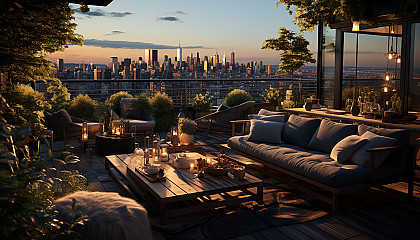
x: 281, y: 207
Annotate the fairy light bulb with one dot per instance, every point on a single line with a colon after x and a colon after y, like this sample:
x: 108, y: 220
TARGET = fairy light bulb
x: 356, y: 26
x: 399, y: 59
x: 389, y: 56
x: 385, y: 89
x: 387, y: 77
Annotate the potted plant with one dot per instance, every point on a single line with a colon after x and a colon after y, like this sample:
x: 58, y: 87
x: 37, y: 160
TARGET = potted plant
x: 187, y: 129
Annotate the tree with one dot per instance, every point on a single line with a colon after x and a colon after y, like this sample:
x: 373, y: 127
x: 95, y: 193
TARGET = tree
x: 61, y: 96
x: 31, y: 29
x: 295, y: 51
x: 310, y: 13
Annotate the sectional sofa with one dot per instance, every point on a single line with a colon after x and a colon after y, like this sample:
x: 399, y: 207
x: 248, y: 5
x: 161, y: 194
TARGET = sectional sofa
x: 336, y: 157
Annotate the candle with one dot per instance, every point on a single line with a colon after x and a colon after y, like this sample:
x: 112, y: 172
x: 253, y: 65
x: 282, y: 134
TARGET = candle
x: 192, y: 166
x: 85, y: 137
x: 208, y: 160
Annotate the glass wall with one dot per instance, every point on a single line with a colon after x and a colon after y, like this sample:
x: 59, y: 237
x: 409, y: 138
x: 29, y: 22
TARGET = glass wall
x: 378, y: 77
x: 414, y: 89
x: 328, y: 65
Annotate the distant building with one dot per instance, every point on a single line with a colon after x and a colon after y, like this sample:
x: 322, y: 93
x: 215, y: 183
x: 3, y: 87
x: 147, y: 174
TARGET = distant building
x: 113, y: 64
x: 60, y: 65
x: 179, y: 53
x: 232, y: 59
x: 147, y: 57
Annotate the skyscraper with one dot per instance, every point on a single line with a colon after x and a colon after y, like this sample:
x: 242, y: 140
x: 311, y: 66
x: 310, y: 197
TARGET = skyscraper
x: 147, y: 57
x: 60, y: 65
x: 232, y: 58
x: 113, y: 64
x: 154, y: 57
x: 179, y: 53
x: 224, y: 59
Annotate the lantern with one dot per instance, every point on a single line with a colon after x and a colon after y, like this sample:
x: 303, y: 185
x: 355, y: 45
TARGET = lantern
x: 174, y: 136
x: 85, y: 135
x: 164, y: 153
x: 356, y: 25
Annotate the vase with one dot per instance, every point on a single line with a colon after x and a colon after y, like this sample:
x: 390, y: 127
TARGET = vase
x: 355, y: 110
x: 186, y: 139
x: 308, y: 106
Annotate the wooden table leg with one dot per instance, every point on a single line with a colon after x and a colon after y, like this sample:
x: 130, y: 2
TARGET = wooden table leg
x: 162, y: 213
x: 106, y: 164
x: 260, y: 195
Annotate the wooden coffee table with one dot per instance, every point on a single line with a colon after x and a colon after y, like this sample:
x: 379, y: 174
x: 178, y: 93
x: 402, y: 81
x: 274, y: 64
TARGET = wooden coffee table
x: 182, y: 193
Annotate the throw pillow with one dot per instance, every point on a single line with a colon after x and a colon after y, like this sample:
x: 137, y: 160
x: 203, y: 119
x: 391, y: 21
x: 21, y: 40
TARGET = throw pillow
x: 299, y: 130
x: 264, y: 112
x: 329, y: 134
x: 265, y: 131
x: 362, y: 158
x: 274, y: 118
x: 402, y: 135
x: 222, y: 107
x: 345, y: 148
x: 128, y: 110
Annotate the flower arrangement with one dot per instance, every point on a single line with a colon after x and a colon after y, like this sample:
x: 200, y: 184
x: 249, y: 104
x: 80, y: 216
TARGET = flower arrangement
x: 187, y: 126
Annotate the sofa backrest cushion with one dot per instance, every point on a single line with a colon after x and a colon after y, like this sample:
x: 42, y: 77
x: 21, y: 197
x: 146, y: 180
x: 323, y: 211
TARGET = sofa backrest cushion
x: 402, y: 135
x: 329, y: 134
x: 265, y: 112
x: 299, y: 130
x: 345, y: 148
x: 265, y: 131
x: 274, y: 118
x: 362, y: 158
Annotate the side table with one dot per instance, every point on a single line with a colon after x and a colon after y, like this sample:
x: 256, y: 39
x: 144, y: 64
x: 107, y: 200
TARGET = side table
x: 112, y: 145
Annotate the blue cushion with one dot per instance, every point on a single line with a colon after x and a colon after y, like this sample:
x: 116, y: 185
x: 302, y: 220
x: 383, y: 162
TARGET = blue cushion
x: 329, y: 134
x: 265, y: 131
x: 299, y: 130
x: 274, y: 118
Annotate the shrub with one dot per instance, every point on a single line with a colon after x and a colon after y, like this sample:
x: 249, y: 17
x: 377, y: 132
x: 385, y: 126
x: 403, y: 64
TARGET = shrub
x: 28, y: 107
x: 237, y: 97
x: 201, y: 102
x: 272, y: 95
x: 162, y: 107
x: 187, y: 126
x: 114, y: 101
x: 83, y: 107
x: 60, y: 98
x: 143, y: 103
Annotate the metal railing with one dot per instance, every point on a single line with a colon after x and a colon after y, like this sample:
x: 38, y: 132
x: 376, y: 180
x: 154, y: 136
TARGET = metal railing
x: 182, y: 90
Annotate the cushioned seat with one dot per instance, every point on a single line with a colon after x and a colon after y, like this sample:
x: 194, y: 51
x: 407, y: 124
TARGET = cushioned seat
x: 93, y: 128
x: 310, y: 163
x: 141, y: 125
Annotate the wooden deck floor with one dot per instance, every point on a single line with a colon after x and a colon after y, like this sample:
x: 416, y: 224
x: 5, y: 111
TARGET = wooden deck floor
x: 396, y: 219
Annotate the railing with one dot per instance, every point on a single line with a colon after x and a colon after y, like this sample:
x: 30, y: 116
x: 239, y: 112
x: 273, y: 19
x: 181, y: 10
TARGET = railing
x: 182, y: 90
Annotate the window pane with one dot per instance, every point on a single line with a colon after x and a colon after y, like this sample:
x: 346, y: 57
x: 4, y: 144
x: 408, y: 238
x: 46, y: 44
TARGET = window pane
x: 414, y: 90
x: 328, y: 64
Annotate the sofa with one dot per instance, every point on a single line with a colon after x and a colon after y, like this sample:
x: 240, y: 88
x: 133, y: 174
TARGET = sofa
x: 336, y: 157
x: 141, y: 120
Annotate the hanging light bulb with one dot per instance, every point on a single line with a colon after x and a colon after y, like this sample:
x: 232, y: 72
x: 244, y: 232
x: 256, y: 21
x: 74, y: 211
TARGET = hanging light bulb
x: 387, y: 76
x: 390, y: 54
x: 398, y: 58
x: 385, y: 89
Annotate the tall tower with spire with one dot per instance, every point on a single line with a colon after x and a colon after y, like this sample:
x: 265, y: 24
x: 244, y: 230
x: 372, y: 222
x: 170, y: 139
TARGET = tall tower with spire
x: 224, y: 59
x: 179, y: 53
x: 232, y: 58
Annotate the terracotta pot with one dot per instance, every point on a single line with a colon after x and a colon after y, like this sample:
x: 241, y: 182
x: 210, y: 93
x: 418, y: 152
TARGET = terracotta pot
x: 186, y: 139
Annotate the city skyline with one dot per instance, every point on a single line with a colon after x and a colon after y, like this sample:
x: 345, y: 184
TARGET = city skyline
x: 125, y: 28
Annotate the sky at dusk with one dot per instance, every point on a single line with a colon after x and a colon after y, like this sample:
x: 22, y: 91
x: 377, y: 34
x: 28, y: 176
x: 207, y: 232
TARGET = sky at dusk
x: 126, y: 27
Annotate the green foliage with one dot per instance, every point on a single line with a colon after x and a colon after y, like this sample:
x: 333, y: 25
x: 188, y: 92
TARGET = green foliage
x: 272, y: 95
x: 29, y: 31
x: 288, y: 104
x: 114, y: 101
x: 143, y: 103
x: 295, y: 50
x: 162, y: 107
x: 187, y: 126
x: 27, y: 194
x: 201, y: 102
x: 237, y: 97
x: 310, y: 13
x: 60, y: 98
x: 25, y: 107
x: 83, y: 107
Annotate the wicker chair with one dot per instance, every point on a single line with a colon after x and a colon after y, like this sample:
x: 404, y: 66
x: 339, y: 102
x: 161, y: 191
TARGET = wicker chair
x: 66, y: 127
x: 220, y: 121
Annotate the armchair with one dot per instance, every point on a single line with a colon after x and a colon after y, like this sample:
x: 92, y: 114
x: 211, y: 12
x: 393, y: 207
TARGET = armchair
x: 142, y: 120
x: 220, y: 121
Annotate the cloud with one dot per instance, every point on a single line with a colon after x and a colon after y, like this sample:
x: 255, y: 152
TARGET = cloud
x: 169, y: 19
x: 130, y: 45
x: 115, y: 32
x: 180, y: 12
x: 102, y: 13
